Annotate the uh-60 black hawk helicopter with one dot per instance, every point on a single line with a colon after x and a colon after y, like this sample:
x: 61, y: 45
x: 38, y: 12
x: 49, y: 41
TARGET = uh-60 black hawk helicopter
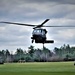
x: 38, y: 34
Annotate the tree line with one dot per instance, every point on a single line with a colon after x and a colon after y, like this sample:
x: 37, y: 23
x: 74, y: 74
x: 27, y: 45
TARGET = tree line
x: 64, y: 53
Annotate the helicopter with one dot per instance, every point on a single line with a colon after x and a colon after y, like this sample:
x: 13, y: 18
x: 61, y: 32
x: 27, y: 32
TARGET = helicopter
x: 38, y: 34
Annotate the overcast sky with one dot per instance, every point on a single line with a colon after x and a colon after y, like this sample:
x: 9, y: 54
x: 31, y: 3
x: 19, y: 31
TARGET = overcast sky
x: 60, y: 12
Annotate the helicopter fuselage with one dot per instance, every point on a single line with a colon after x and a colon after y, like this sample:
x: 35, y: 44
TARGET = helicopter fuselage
x: 39, y: 36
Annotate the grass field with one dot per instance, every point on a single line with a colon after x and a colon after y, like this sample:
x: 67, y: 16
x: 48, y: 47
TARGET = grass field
x: 43, y: 68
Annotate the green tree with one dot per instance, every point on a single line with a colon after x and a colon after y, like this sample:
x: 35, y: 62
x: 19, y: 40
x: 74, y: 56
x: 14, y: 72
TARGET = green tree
x: 37, y: 55
x: 19, y: 55
x: 7, y: 53
x: 31, y: 50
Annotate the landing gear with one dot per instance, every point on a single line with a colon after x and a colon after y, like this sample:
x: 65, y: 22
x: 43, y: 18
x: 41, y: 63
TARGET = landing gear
x: 32, y: 40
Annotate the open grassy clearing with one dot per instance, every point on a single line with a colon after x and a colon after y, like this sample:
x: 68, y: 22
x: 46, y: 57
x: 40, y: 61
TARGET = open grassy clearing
x: 43, y: 68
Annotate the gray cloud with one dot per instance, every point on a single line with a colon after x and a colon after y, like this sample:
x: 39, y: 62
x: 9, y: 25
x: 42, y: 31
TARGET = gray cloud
x: 57, y: 1
x: 31, y: 9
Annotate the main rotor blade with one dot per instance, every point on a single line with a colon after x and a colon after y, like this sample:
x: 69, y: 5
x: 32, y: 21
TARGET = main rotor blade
x: 35, y: 26
x: 45, y: 21
x: 18, y: 23
x: 59, y: 26
x: 41, y: 25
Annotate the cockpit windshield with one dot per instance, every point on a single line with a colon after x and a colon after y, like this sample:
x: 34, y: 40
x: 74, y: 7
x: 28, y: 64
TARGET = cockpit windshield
x: 39, y: 31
